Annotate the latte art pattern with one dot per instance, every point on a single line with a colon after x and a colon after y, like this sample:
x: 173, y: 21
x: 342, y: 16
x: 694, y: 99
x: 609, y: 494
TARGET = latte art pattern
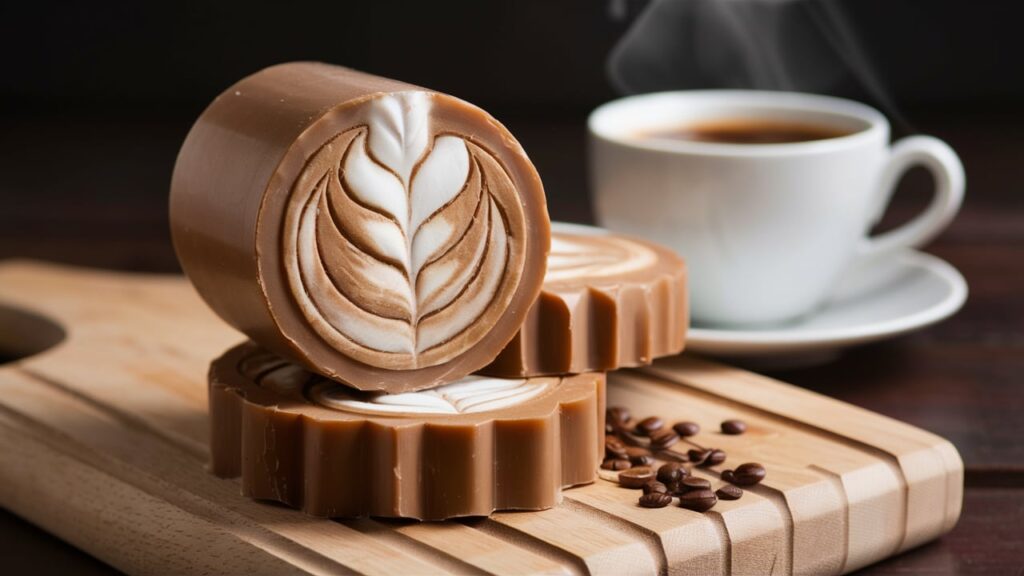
x: 469, y: 395
x: 398, y: 241
x: 594, y: 256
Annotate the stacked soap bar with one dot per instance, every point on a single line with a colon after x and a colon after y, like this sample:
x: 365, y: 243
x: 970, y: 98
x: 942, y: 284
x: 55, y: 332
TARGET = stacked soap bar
x: 380, y: 244
x: 607, y: 302
x: 467, y: 448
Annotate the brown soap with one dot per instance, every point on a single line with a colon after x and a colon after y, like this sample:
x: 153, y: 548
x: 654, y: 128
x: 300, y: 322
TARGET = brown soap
x: 609, y: 301
x: 378, y: 233
x: 466, y: 449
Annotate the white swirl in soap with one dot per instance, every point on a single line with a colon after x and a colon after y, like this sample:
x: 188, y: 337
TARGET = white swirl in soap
x: 469, y: 395
x: 593, y: 256
x: 397, y: 241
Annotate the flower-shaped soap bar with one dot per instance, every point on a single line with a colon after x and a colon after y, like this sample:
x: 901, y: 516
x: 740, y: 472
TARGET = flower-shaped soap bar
x: 609, y: 301
x: 467, y: 448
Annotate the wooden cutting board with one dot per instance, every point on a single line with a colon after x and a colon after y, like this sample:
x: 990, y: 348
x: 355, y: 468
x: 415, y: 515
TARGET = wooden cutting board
x: 103, y: 443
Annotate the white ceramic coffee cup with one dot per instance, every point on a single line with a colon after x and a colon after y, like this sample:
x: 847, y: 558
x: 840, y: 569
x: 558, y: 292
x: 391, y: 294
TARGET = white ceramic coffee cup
x: 767, y: 229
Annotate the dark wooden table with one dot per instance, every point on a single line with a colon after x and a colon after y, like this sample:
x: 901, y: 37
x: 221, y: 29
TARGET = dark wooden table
x: 92, y: 191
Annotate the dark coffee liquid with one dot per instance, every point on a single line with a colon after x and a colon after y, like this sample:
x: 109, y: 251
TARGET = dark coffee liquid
x: 747, y: 131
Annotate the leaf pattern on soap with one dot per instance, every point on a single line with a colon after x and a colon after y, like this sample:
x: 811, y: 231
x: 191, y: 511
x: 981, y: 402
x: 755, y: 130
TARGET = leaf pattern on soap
x: 403, y: 233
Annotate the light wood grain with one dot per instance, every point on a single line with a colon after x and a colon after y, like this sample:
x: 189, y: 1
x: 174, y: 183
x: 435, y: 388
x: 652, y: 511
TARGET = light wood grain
x: 103, y: 443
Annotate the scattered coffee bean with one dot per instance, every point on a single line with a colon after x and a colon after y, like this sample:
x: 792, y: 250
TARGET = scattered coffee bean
x: 729, y: 492
x: 617, y: 415
x: 655, y: 500
x: 663, y: 439
x: 698, y: 500
x: 655, y: 486
x: 672, y: 472
x: 616, y: 464
x: 685, y: 429
x: 672, y: 456
x: 748, y: 474
x: 691, y: 483
x: 632, y: 448
x: 631, y: 438
x: 614, y: 446
x: 734, y: 427
x: 698, y: 456
x: 642, y: 460
x: 649, y: 425
x: 637, y: 451
x: 714, y: 458
x: 636, y: 477
x: 639, y: 456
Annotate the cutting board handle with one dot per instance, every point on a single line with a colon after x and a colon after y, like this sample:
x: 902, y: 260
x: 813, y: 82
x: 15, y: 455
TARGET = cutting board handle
x: 24, y: 333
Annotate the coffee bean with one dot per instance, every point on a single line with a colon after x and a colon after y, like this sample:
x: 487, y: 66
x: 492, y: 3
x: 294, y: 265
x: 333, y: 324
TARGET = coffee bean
x: 649, y: 425
x: 663, y: 439
x: 655, y: 486
x: 636, y: 477
x: 714, y: 458
x: 729, y: 492
x: 748, y: 474
x: 672, y: 472
x: 630, y: 438
x: 637, y: 451
x: 734, y: 427
x: 728, y: 476
x: 691, y: 483
x: 617, y: 414
x: 672, y: 456
x: 614, y: 446
x: 655, y: 500
x: 639, y: 456
x: 616, y: 464
x: 685, y: 429
x: 698, y: 456
x: 642, y: 460
x: 698, y: 500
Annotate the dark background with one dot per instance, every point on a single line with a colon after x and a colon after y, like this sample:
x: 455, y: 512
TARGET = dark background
x: 95, y: 99
x: 528, y: 57
x: 97, y: 96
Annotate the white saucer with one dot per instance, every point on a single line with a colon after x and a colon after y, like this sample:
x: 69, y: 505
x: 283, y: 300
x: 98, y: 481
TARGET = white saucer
x: 891, y: 297
x: 900, y: 294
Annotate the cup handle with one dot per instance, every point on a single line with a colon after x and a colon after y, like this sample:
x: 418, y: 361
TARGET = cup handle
x: 936, y: 156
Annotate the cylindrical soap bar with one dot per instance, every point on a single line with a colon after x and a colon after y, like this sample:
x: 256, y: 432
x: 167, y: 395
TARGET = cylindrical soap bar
x: 467, y: 448
x: 383, y: 235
